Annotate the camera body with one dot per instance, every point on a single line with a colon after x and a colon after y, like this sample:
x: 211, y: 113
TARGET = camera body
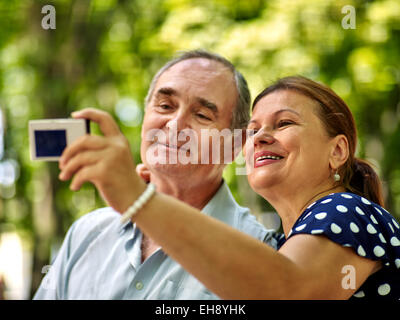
x: 48, y: 138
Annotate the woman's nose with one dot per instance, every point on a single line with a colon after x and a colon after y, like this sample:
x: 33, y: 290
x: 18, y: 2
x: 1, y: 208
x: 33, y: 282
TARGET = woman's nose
x: 263, y: 137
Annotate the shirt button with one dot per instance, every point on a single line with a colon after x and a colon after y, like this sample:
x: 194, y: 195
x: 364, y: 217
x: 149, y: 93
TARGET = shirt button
x: 139, y: 285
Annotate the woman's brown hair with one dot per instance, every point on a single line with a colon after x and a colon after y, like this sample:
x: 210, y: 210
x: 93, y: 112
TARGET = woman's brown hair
x: 357, y: 175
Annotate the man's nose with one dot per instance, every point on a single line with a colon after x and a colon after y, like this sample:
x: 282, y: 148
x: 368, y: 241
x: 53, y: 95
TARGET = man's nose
x: 178, y: 122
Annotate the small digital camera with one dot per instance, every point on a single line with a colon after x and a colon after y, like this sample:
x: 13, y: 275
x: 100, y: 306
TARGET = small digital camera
x: 48, y: 138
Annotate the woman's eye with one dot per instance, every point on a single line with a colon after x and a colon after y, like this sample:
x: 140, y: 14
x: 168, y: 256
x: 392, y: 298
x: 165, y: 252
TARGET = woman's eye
x: 252, y: 132
x: 284, y: 123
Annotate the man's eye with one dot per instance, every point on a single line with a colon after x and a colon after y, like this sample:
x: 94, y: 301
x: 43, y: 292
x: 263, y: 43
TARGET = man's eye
x: 202, y: 116
x: 164, y: 107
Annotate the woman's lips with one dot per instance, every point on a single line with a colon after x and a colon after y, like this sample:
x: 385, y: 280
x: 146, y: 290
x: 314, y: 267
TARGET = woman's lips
x: 263, y: 158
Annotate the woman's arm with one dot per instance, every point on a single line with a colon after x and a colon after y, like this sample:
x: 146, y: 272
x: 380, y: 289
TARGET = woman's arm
x: 236, y: 266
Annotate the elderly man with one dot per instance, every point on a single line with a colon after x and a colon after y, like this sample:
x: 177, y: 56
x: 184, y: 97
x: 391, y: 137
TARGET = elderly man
x: 104, y: 259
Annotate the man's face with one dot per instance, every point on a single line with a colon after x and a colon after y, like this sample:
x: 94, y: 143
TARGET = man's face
x: 192, y: 97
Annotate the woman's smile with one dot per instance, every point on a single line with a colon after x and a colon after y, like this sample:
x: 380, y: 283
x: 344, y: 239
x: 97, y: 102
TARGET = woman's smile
x: 262, y: 158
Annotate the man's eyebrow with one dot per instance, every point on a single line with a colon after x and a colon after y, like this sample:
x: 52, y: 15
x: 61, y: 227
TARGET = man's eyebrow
x: 166, y: 91
x: 208, y: 104
x: 202, y: 101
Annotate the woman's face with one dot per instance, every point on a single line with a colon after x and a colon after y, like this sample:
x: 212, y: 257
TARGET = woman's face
x: 290, y: 148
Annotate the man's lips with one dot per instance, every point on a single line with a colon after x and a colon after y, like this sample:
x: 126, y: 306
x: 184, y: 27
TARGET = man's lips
x: 262, y: 158
x: 174, y: 147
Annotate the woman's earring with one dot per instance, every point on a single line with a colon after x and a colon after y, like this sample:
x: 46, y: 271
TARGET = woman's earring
x: 336, y: 176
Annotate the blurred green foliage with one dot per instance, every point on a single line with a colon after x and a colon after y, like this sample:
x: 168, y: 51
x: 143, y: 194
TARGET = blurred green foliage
x: 103, y: 54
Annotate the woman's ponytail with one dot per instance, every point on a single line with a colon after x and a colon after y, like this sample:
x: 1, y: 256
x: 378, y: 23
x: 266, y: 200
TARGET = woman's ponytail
x: 365, y: 182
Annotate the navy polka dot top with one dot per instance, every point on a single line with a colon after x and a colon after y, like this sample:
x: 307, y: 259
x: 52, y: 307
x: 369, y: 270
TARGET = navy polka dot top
x: 373, y: 233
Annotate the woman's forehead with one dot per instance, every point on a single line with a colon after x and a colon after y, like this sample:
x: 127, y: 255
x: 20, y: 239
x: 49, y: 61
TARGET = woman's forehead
x: 285, y: 100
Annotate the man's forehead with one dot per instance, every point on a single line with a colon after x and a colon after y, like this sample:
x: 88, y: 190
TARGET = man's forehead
x: 201, y: 63
x: 198, y: 74
x: 198, y: 68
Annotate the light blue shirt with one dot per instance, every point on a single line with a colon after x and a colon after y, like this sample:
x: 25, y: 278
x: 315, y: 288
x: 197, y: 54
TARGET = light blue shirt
x: 101, y: 259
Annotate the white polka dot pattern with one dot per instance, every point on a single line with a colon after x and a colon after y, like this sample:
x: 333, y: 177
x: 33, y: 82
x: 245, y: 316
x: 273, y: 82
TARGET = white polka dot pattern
x: 321, y: 215
x: 354, y: 227
x: 384, y: 289
x: 335, y: 228
x: 341, y: 208
x: 369, y: 229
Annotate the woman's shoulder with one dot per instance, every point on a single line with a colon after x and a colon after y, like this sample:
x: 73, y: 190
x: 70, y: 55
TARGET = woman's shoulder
x: 346, y: 199
x: 345, y: 206
x: 356, y: 222
x: 352, y: 221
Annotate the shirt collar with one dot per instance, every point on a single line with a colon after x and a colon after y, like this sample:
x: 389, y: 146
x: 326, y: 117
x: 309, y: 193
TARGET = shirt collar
x: 221, y: 205
x: 125, y: 227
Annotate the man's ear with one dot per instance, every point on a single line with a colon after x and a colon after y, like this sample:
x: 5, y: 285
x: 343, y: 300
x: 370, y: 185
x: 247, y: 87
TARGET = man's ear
x: 339, y: 151
x: 143, y: 172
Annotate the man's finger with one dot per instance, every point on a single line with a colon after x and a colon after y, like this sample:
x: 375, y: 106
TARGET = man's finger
x: 107, y: 124
x: 85, y: 174
x: 83, y: 143
x: 82, y: 159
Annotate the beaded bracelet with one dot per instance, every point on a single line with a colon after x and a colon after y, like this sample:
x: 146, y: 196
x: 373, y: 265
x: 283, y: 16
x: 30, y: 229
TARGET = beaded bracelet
x: 139, y: 203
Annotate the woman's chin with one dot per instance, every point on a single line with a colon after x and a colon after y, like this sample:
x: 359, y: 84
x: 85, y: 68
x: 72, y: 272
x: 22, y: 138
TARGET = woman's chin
x: 259, y: 182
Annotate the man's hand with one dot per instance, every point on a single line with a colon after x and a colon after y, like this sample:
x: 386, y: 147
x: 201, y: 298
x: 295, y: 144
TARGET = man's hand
x: 105, y: 161
x: 143, y: 172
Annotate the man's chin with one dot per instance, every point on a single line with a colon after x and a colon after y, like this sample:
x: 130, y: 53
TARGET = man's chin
x: 177, y: 169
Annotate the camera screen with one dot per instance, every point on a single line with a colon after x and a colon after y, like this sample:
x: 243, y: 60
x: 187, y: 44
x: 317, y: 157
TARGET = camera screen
x: 50, y: 143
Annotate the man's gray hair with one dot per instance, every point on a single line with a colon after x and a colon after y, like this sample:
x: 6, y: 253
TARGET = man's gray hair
x: 241, y: 113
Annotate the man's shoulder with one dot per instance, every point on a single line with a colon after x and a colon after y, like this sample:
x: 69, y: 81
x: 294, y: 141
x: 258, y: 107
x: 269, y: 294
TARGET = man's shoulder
x: 102, y: 215
x: 224, y: 207
x: 95, y: 222
x: 249, y: 224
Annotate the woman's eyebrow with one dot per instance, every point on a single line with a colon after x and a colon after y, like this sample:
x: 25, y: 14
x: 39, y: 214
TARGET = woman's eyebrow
x: 279, y: 112
x: 287, y: 110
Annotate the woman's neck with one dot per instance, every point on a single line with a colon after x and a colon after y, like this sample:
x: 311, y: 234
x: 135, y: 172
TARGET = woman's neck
x: 290, y: 206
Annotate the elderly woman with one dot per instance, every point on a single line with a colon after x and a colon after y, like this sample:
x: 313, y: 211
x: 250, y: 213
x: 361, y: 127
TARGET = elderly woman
x: 339, y: 242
